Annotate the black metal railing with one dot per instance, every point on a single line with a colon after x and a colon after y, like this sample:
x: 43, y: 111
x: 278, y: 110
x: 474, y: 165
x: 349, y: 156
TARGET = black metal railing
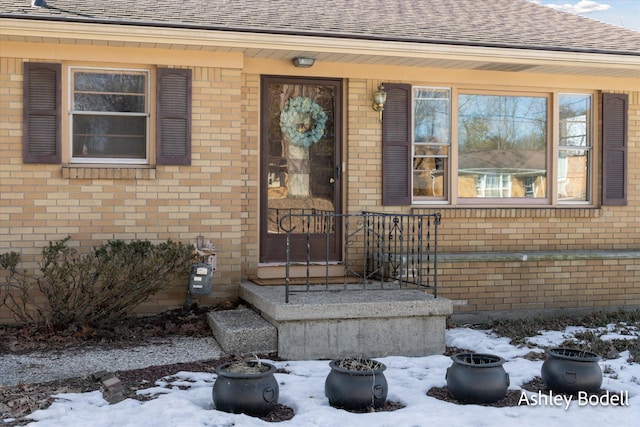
x: 303, y: 220
x: 377, y: 250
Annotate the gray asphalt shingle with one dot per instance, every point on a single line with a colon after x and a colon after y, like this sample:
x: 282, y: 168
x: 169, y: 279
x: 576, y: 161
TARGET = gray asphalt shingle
x: 504, y: 23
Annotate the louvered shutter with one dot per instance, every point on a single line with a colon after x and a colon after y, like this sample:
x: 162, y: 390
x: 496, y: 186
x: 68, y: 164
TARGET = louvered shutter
x: 396, y: 146
x: 41, y: 135
x: 614, y: 149
x: 173, y: 117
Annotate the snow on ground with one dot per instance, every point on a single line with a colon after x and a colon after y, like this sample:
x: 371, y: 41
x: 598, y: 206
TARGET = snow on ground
x: 409, y: 379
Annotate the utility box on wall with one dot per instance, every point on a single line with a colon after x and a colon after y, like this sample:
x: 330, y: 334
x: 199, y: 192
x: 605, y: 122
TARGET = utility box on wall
x: 200, y: 279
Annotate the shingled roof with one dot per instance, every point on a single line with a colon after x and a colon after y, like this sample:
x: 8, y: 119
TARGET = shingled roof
x: 513, y: 161
x: 517, y: 24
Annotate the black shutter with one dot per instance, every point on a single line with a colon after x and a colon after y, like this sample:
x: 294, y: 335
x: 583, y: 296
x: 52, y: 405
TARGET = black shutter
x: 614, y: 149
x: 173, y: 130
x: 41, y: 133
x: 396, y: 146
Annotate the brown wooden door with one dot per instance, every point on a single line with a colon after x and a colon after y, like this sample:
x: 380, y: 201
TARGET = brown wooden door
x: 300, y: 166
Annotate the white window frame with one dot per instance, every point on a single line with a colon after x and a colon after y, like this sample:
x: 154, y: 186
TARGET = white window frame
x: 448, y: 144
x: 146, y: 114
x: 588, y: 147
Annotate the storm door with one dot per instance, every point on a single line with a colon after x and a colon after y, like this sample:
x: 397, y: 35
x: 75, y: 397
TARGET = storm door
x: 300, y: 173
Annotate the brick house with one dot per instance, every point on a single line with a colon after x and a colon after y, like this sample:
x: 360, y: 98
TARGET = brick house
x: 518, y: 123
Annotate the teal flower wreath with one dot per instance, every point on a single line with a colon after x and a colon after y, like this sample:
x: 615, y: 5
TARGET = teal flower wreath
x: 294, y: 114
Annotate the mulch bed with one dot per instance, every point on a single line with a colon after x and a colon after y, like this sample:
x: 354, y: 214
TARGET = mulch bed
x: 129, y: 332
x: 388, y: 406
x: 512, y: 397
x: 442, y: 393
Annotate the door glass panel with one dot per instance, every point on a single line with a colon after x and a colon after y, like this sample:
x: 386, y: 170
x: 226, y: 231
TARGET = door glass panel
x: 301, y: 154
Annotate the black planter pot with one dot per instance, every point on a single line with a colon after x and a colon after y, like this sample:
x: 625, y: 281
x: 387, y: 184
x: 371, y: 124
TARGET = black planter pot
x: 477, y: 378
x: 356, y: 390
x: 570, y: 371
x: 254, y: 394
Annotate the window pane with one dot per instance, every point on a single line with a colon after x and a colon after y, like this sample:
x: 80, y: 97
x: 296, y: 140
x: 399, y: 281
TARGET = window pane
x: 432, y: 115
x: 429, y: 171
x: 502, y: 146
x: 114, y: 103
x: 109, y: 92
x: 109, y: 82
x: 109, y: 136
x: 110, y: 115
x: 432, y: 138
x: 574, y: 147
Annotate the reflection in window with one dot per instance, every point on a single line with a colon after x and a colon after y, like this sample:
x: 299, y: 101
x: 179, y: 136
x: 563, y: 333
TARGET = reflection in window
x: 502, y: 146
x: 109, y: 113
x: 490, y: 185
x: 431, y: 141
x: 574, y: 147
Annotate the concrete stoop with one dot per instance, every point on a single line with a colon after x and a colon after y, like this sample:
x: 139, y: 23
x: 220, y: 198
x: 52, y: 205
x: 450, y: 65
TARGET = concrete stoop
x: 243, y: 331
x: 371, y: 323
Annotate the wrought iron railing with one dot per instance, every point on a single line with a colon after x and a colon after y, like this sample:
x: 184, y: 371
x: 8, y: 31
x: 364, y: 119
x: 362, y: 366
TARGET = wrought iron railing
x: 377, y: 250
x: 303, y: 220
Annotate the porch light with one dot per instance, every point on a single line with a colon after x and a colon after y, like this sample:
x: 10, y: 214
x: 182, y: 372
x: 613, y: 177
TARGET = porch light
x: 379, y: 99
x: 303, y: 61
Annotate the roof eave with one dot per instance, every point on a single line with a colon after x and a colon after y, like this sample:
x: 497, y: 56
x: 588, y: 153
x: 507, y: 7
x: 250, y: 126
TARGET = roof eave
x: 341, y: 36
x: 478, y: 56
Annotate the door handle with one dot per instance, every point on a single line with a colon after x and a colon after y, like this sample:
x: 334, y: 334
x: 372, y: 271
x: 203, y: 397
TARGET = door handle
x: 331, y: 180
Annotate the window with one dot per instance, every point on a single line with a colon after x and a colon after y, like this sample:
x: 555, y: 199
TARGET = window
x: 574, y: 148
x: 109, y: 116
x: 465, y: 147
x: 431, y: 142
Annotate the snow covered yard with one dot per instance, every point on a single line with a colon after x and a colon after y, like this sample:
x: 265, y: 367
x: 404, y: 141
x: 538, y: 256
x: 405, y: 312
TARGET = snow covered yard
x: 184, y: 399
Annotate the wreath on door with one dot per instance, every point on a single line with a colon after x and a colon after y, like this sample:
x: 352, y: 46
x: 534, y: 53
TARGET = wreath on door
x: 303, y: 121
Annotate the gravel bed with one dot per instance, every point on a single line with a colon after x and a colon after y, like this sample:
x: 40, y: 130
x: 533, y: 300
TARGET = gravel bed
x: 39, y: 367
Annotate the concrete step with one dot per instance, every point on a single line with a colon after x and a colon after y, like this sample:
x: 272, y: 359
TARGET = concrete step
x: 353, y: 322
x: 243, y: 331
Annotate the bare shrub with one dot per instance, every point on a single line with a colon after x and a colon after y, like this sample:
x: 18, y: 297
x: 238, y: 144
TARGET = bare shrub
x: 94, y: 289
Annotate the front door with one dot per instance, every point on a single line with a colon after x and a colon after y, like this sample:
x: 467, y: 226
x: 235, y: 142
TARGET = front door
x: 300, y: 173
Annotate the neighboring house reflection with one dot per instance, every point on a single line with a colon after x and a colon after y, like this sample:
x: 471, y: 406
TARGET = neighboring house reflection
x: 502, y: 173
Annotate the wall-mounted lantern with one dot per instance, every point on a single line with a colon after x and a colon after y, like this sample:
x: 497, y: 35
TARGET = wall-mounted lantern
x: 379, y: 99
